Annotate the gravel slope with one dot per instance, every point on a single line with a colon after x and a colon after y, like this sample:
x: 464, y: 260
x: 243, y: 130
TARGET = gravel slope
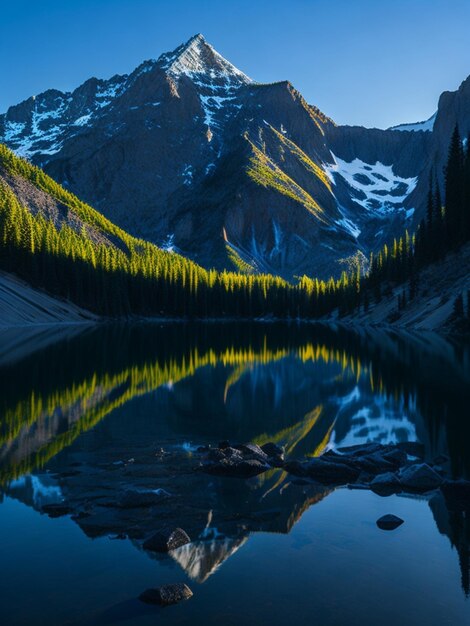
x: 21, y: 305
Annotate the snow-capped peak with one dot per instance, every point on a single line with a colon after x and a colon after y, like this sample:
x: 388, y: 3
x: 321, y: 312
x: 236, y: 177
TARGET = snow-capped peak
x: 196, y: 56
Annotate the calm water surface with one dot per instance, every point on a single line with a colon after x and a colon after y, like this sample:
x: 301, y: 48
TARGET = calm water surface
x: 87, y: 414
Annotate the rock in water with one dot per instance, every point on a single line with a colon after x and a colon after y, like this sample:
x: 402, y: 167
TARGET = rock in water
x: 420, y: 477
x: 387, y: 483
x: 389, y: 522
x: 272, y: 450
x: 331, y: 473
x: 236, y: 469
x: 166, y: 594
x: 166, y: 540
x: 252, y: 451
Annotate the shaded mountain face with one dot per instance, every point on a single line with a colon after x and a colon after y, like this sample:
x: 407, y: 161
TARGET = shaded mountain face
x: 190, y: 153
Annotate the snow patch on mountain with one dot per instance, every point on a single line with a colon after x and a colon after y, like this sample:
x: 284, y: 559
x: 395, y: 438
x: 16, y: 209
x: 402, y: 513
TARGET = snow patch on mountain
x: 350, y: 226
x: 377, y: 188
x: 426, y: 126
x: 51, y: 115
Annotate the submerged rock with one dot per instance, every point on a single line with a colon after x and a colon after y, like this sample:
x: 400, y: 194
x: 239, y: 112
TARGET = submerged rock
x: 166, y: 594
x: 166, y: 539
x: 420, y: 477
x: 389, y: 522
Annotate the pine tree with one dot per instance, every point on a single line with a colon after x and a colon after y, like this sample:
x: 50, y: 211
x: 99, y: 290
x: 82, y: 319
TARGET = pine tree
x: 454, y: 190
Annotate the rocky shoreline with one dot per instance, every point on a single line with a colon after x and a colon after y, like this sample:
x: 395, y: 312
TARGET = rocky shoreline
x: 383, y: 468
x: 198, y: 507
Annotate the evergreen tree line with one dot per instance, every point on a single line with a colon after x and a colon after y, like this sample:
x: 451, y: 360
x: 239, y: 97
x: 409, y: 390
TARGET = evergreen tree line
x: 122, y: 275
x: 443, y: 229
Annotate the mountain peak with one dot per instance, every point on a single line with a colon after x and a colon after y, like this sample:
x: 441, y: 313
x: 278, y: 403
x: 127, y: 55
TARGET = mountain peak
x: 196, y: 56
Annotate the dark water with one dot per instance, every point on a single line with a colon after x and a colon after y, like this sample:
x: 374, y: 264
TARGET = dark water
x: 88, y: 414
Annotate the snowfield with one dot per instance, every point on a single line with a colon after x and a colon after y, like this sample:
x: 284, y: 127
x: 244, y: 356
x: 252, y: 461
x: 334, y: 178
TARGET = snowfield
x: 378, y: 188
x: 426, y: 126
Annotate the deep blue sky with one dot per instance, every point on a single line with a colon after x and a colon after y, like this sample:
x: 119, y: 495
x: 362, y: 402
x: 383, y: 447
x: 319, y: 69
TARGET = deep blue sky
x: 370, y: 62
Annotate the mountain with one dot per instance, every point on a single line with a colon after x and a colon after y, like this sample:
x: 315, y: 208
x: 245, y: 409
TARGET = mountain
x: 190, y: 153
x: 56, y: 242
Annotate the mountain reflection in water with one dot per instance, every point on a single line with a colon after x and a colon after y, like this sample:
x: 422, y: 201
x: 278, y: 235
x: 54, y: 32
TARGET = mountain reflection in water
x: 84, y: 418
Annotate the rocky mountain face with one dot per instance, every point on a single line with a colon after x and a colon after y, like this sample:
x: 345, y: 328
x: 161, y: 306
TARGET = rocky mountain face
x: 190, y: 153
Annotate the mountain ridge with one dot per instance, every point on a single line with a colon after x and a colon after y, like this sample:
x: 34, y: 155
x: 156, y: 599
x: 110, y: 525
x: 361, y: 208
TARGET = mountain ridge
x: 188, y: 152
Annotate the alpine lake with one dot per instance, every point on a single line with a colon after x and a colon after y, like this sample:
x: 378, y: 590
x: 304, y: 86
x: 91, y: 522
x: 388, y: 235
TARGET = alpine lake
x: 110, y: 433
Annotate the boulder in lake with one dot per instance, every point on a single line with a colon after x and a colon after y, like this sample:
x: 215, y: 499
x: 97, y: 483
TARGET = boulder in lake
x: 389, y: 522
x: 420, y: 477
x: 166, y: 539
x: 386, y: 483
x: 166, y: 594
x: 236, y: 468
x: 396, y: 456
x: 252, y: 451
x: 272, y: 450
x: 331, y: 473
x: 297, y: 468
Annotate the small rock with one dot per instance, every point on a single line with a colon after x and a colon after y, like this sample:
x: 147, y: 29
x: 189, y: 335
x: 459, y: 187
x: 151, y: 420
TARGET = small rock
x: 296, y: 468
x: 215, y: 455
x: 252, y: 451
x: 365, y: 478
x: 374, y: 463
x: 272, y: 450
x: 420, y: 477
x: 329, y: 473
x: 236, y: 469
x: 166, y: 594
x: 166, y: 540
x: 396, y: 457
x: 389, y: 522
x: 387, y: 483
x: 224, y: 444
x: 232, y: 453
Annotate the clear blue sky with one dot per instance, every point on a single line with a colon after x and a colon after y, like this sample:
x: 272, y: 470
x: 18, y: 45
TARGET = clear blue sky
x: 370, y: 62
